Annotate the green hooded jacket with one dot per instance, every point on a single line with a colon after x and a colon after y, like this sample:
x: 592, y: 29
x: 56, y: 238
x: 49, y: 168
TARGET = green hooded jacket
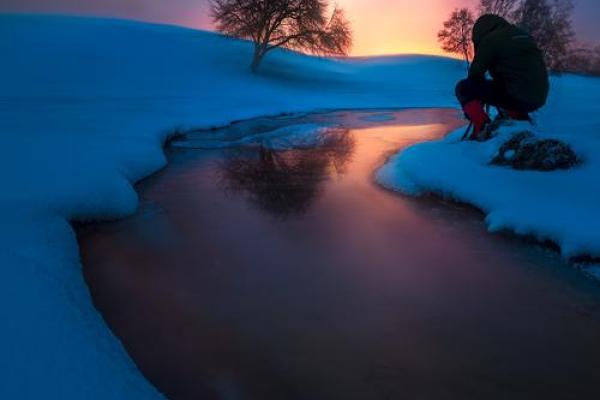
x: 512, y: 58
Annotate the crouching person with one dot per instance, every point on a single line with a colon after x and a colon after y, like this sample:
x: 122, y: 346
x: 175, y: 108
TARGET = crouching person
x: 519, y: 83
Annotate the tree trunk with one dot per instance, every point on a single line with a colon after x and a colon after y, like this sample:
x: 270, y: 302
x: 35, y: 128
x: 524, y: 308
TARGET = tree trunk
x: 257, y: 58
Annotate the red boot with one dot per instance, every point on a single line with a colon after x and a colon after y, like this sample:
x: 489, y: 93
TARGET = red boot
x: 477, y: 115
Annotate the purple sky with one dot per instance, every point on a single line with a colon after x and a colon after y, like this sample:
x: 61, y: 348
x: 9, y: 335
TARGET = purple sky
x: 194, y: 13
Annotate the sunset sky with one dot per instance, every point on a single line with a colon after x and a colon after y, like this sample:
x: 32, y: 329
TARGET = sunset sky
x: 380, y: 26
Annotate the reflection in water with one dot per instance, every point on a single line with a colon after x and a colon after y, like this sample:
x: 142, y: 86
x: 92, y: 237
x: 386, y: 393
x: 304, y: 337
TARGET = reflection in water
x: 366, y: 296
x: 285, y: 182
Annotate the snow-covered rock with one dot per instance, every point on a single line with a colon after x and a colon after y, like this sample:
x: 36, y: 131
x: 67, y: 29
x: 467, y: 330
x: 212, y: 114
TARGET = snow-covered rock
x: 524, y: 151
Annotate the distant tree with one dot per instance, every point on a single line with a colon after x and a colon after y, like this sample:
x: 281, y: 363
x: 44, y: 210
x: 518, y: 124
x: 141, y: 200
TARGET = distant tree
x: 303, y: 25
x: 549, y: 22
x: 580, y: 60
x: 456, y: 35
x: 595, y: 69
x: 503, y: 8
x: 583, y: 60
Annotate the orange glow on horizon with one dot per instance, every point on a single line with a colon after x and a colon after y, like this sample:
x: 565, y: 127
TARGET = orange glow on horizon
x: 398, y: 26
x: 386, y: 27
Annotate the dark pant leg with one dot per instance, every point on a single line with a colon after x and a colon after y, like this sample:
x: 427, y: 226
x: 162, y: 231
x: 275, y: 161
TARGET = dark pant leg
x: 489, y: 92
x: 485, y: 91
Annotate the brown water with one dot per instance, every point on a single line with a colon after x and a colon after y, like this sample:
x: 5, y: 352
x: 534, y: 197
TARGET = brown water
x: 254, y: 274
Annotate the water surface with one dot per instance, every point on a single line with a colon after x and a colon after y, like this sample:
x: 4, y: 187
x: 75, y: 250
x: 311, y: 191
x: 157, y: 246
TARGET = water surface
x: 252, y: 273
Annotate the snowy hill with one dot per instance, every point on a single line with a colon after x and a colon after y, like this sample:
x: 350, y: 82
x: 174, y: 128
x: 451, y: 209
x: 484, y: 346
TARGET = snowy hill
x: 85, y: 105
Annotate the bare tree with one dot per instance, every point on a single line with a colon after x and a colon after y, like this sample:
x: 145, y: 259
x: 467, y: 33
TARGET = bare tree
x: 302, y: 25
x: 549, y: 22
x: 583, y: 60
x: 456, y: 35
x: 580, y: 60
x: 503, y: 8
x: 595, y: 69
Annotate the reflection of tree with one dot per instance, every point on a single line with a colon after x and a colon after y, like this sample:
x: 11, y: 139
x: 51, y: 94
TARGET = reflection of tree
x: 286, y: 182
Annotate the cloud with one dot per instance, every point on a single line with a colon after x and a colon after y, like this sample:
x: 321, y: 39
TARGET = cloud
x: 186, y: 12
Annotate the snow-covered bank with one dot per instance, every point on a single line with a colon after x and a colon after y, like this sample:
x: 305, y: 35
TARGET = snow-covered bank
x: 85, y: 105
x: 561, y: 206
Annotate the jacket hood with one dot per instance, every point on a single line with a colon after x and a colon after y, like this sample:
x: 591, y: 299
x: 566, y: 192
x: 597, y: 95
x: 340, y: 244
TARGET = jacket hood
x: 485, y: 25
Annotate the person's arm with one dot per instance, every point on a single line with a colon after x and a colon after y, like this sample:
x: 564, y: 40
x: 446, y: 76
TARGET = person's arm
x: 482, y: 61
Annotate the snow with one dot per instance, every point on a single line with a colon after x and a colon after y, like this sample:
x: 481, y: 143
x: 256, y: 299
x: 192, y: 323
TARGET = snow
x: 290, y: 137
x: 85, y: 106
x: 560, y: 206
x: 295, y: 136
x: 380, y: 117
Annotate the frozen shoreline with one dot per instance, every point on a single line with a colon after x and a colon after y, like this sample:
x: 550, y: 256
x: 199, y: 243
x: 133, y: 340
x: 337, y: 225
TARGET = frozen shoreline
x: 559, y: 207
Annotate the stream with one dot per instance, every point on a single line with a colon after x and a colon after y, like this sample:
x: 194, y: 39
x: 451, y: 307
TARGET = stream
x: 266, y: 264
